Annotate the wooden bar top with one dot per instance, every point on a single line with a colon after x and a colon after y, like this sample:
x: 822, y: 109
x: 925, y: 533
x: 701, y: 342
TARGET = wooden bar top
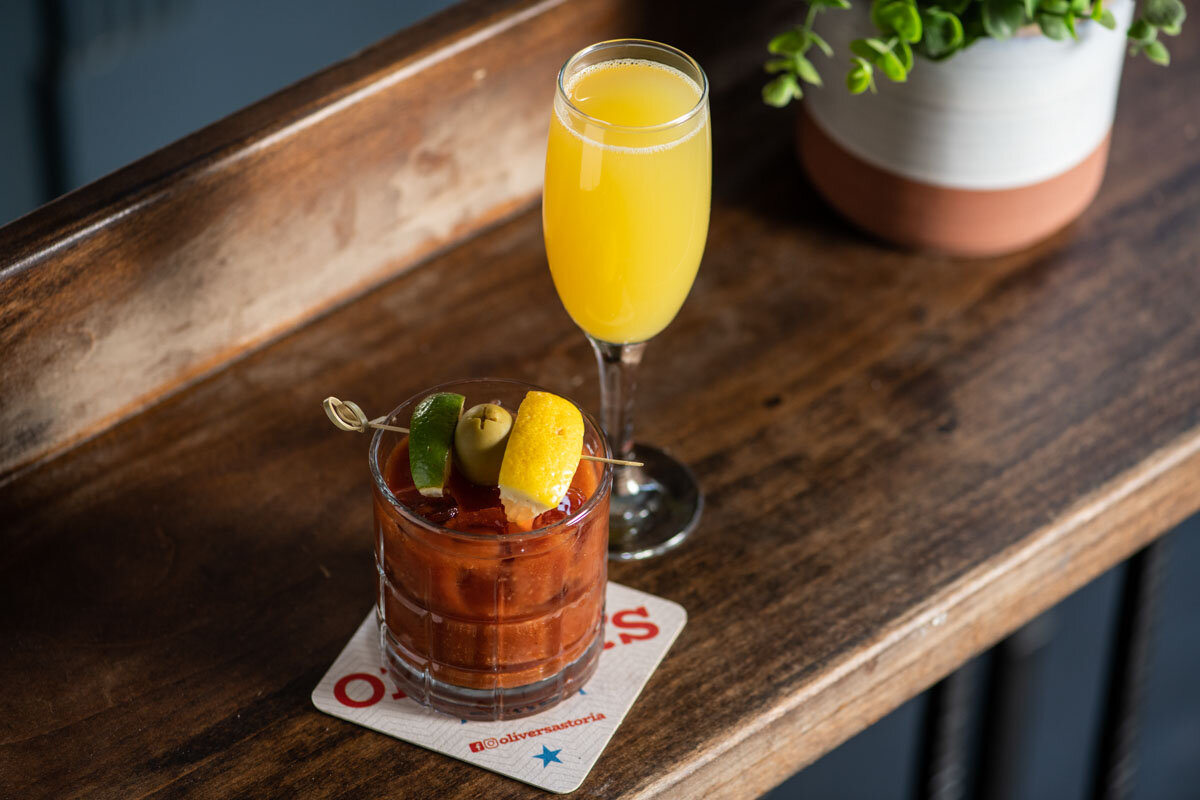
x: 904, y: 458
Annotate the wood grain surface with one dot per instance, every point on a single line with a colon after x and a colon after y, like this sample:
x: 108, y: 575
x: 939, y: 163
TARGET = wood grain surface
x: 904, y: 459
x: 128, y: 289
x: 123, y: 291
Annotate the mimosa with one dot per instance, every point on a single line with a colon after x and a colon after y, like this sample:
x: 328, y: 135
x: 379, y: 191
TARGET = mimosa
x: 628, y: 186
x: 625, y: 215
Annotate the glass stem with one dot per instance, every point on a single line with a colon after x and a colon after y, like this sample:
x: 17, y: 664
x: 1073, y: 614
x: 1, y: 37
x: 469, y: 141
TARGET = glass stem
x: 618, y: 379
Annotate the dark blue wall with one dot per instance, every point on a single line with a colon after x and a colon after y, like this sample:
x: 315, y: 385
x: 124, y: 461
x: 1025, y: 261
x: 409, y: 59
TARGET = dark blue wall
x: 138, y: 74
x: 20, y: 178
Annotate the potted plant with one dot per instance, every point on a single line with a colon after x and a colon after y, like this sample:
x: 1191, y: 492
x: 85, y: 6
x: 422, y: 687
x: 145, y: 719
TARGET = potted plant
x: 990, y: 125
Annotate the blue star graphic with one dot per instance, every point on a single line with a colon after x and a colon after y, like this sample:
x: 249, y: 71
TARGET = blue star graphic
x: 547, y: 755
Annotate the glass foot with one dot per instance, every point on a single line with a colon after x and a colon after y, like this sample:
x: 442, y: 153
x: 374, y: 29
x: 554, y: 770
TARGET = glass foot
x: 653, y: 508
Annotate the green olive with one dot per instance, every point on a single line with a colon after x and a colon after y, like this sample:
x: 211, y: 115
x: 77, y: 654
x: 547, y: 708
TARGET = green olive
x: 479, y: 442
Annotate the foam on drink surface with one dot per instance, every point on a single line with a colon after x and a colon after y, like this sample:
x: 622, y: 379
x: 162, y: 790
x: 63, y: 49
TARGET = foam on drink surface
x: 630, y: 94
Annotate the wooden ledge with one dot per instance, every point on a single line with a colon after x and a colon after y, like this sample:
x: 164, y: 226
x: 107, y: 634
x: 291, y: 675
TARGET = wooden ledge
x: 125, y: 290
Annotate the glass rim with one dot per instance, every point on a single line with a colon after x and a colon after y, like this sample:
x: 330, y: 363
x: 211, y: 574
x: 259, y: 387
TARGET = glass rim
x: 701, y: 102
x: 602, y: 488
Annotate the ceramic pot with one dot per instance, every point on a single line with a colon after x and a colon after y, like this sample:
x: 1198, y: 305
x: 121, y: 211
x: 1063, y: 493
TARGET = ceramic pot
x: 984, y: 153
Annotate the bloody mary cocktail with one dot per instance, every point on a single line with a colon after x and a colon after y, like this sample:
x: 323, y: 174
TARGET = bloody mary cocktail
x: 481, y: 617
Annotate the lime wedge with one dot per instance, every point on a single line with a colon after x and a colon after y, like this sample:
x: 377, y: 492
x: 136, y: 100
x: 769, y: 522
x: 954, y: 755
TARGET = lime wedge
x: 431, y: 441
x: 541, y: 457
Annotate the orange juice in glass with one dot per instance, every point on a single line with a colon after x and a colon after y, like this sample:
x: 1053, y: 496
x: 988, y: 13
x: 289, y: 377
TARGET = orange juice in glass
x: 626, y: 208
x: 625, y: 216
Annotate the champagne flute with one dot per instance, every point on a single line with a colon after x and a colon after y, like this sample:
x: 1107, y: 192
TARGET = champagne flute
x: 625, y: 216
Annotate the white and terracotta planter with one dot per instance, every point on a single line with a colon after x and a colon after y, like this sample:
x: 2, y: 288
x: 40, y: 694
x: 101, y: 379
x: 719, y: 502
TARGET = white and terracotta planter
x: 985, y: 153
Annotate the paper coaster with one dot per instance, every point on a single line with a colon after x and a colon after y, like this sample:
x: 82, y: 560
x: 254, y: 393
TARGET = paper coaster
x: 553, y: 750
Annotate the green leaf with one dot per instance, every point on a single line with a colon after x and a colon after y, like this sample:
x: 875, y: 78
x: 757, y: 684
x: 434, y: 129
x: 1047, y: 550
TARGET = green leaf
x: 911, y: 29
x: 1053, y: 26
x: 1030, y: 8
x: 861, y: 77
x: 898, y: 17
x: 893, y: 67
x: 1079, y: 7
x: 805, y: 69
x: 788, y: 42
x: 1157, y: 52
x: 1164, y: 14
x: 972, y: 22
x: 777, y: 65
x: 861, y: 49
x: 943, y: 33
x: 830, y: 3
x: 1097, y: 11
x: 821, y: 44
x: 1107, y: 19
x: 905, y: 54
x: 1001, y: 18
x: 1058, y: 7
x: 878, y: 52
x: 1142, y: 32
x: 877, y: 15
x: 869, y: 49
x: 1070, y: 20
x: 780, y: 91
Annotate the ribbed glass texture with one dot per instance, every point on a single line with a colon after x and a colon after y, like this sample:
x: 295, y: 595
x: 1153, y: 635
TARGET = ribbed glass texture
x: 490, y: 626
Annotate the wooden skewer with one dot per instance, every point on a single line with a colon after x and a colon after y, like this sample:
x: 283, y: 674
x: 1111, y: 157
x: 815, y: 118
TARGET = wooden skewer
x: 620, y: 462
x: 347, y: 416
x: 378, y: 423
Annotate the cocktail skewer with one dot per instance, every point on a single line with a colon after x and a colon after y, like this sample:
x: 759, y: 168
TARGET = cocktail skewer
x: 348, y: 416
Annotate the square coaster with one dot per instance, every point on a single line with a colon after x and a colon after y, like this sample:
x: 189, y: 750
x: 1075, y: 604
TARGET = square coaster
x: 553, y: 750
